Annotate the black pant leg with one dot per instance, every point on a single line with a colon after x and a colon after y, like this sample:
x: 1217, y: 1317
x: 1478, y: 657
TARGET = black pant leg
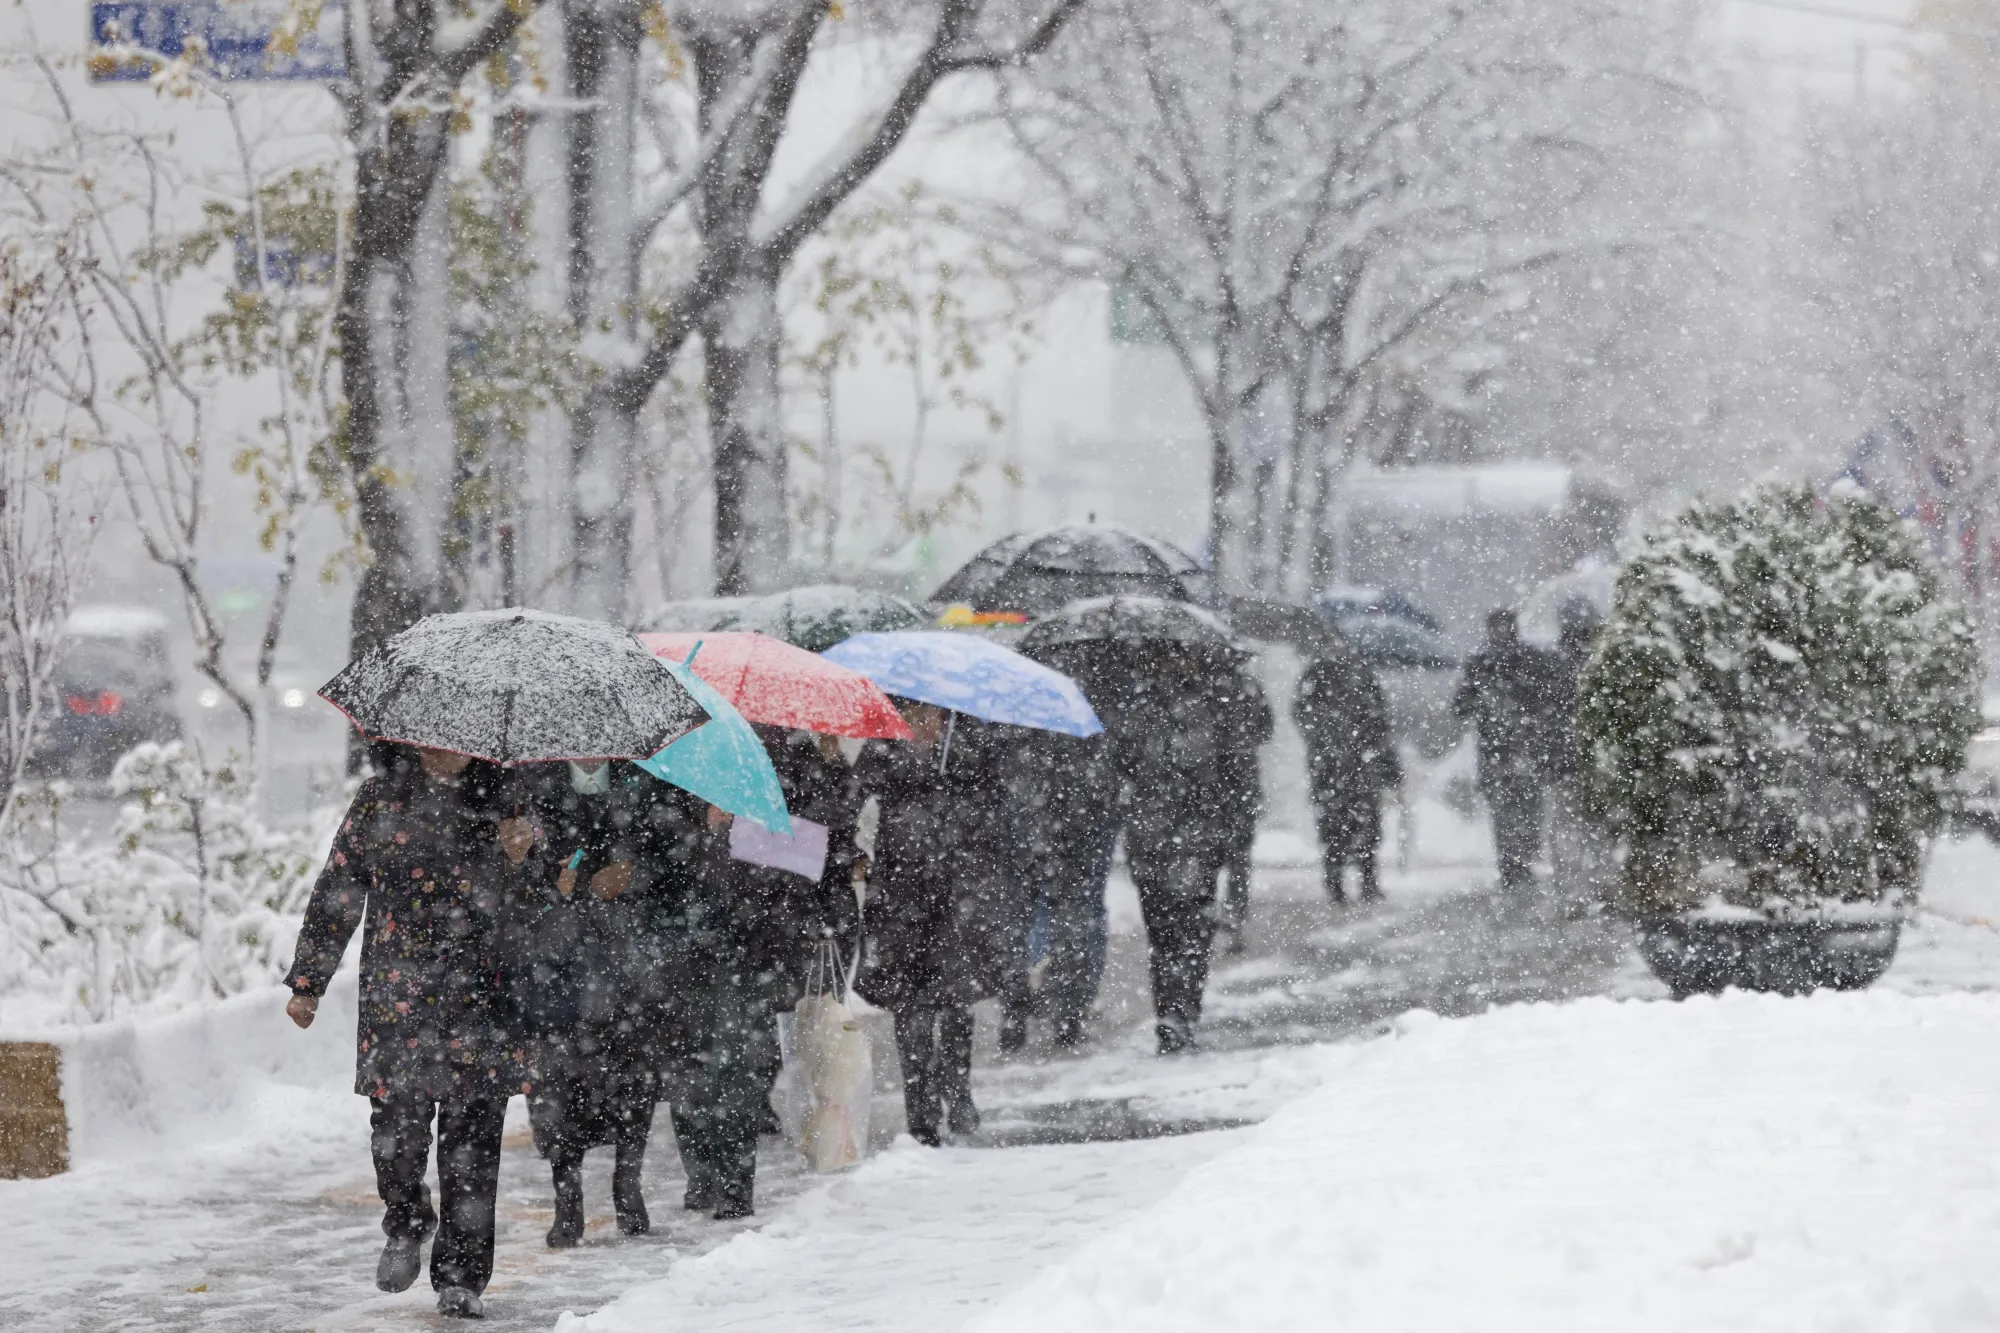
x: 468, y: 1192
x: 1516, y: 807
x: 693, y: 1135
x: 399, y: 1139
x: 954, y: 1055
x: 916, y: 1052
x: 1069, y: 987
x: 1176, y: 898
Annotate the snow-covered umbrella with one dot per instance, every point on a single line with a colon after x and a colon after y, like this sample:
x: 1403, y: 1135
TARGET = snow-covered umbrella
x: 1039, y: 572
x: 778, y: 685
x: 516, y: 687
x: 1131, y: 619
x: 964, y: 673
x: 818, y: 616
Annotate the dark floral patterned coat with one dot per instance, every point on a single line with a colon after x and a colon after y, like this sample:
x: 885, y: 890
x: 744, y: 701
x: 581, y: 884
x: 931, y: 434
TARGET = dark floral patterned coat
x: 416, y: 866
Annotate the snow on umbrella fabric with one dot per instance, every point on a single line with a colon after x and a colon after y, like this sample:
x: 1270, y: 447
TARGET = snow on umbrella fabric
x: 818, y: 616
x: 971, y: 675
x: 1119, y: 619
x: 1038, y: 572
x: 772, y: 683
x: 723, y: 761
x: 516, y: 687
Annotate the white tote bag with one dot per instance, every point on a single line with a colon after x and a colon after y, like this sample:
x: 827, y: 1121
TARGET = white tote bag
x: 829, y: 1074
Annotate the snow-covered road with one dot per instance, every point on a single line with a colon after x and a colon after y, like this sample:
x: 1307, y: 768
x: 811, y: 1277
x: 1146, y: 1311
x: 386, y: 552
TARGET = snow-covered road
x: 269, y: 1221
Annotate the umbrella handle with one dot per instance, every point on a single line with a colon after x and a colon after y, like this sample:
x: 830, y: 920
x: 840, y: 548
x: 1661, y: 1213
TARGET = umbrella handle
x: 950, y: 726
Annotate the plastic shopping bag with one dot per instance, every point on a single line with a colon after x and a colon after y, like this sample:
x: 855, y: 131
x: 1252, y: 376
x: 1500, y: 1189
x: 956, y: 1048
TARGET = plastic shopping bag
x: 829, y: 1079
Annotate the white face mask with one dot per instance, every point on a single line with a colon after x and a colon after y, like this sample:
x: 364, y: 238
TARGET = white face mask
x: 589, y: 781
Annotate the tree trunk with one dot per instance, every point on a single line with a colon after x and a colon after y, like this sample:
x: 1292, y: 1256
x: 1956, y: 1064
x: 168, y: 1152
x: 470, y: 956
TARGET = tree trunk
x: 603, y: 59
x: 740, y: 337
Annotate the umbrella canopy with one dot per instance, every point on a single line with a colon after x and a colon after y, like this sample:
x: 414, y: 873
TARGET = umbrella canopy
x: 692, y: 613
x: 1121, y: 619
x: 516, y: 687
x: 1038, y: 572
x: 723, y: 761
x: 772, y: 683
x: 968, y: 674
x: 817, y: 617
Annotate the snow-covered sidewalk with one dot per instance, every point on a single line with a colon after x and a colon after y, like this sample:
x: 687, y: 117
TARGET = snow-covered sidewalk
x: 1745, y: 1162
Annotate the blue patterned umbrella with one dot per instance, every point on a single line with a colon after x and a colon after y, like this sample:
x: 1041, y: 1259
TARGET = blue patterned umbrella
x: 971, y: 675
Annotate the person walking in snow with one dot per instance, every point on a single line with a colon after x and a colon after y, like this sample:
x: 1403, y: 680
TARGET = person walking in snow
x: 752, y: 933
x: 1244, y: 725
x: 1170, y: 754
x: 941, y: 923
x: 1350, y: 762
x: 1505, y: 693
x: 416, y: 866
x: 596, y: 986
x: 1062, y: 802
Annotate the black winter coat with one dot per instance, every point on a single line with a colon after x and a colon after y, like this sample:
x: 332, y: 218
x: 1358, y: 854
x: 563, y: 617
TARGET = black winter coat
x: 943, y: 906
x: 417, y: 866
x: 1174, y: 759
x: 1344, y: 717
x: 614, y: 969
x: 1507, y: 693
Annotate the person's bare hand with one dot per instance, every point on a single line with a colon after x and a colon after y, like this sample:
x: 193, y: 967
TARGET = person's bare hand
x: 611, y: 881
x: 517, y: 838
x: 301, y: 1008
x: 719, y: 819
x: 566, y: 881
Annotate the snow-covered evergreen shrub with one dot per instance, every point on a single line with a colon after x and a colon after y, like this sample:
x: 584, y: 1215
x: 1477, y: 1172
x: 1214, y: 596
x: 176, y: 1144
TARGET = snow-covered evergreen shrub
x: 190, y: 895
x: 1777, y: 705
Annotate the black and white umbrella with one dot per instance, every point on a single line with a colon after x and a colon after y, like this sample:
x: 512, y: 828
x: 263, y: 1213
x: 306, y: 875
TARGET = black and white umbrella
x: 1037, y: 572
x: 516, y: 687
x: 1131, y: 620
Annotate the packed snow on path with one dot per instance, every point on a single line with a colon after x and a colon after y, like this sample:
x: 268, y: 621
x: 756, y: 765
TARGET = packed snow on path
x: 1747, y: 1162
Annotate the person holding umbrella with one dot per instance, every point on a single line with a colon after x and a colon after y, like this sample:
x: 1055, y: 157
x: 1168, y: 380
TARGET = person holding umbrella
x: 596, y: 974
x: 763, y: 909
x: 942, y: 921
x: 417, y: 867
x: 1184, y: 720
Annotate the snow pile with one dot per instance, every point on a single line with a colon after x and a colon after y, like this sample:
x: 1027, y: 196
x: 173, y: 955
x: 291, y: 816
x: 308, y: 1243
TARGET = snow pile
x: 1741, y: 1162
x: 216, y: 1071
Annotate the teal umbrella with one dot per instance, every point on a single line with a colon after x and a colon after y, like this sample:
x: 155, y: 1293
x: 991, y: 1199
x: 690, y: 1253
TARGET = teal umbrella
x: 722, y: 760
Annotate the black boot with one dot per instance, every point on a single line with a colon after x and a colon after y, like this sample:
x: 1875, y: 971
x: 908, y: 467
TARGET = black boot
x: 963, y: 1119
x: 628, y: 1196
x: 402, y: 1259
x: 568, y: 1172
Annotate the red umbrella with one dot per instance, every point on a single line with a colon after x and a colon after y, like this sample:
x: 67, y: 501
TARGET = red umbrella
x: 771, y: 682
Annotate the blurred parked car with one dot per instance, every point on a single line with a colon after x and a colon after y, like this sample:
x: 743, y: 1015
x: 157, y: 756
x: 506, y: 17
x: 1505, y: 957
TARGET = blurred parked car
x: 1411, y: 657
x: 113, y: 690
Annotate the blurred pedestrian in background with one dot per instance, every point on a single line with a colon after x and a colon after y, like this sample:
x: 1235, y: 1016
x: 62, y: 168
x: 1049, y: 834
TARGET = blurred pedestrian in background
x: 1062, y: 797
x: 1579, y: 852
x: 1169, y: 750
x: 416, y: 866
x: 1351, y: 761
x: 1506, y: 694
x: 1243, y: 726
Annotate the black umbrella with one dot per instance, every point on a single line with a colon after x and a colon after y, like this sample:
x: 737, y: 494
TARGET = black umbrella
x: 1037, y: 572
x: 516, y: 687
x: 1138, y: 619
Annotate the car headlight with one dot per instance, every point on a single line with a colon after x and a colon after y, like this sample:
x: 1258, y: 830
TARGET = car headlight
x: 293, y: 698
x: 210, y: 697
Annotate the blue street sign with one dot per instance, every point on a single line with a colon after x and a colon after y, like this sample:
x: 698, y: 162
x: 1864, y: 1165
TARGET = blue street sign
x: 235, y: 33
